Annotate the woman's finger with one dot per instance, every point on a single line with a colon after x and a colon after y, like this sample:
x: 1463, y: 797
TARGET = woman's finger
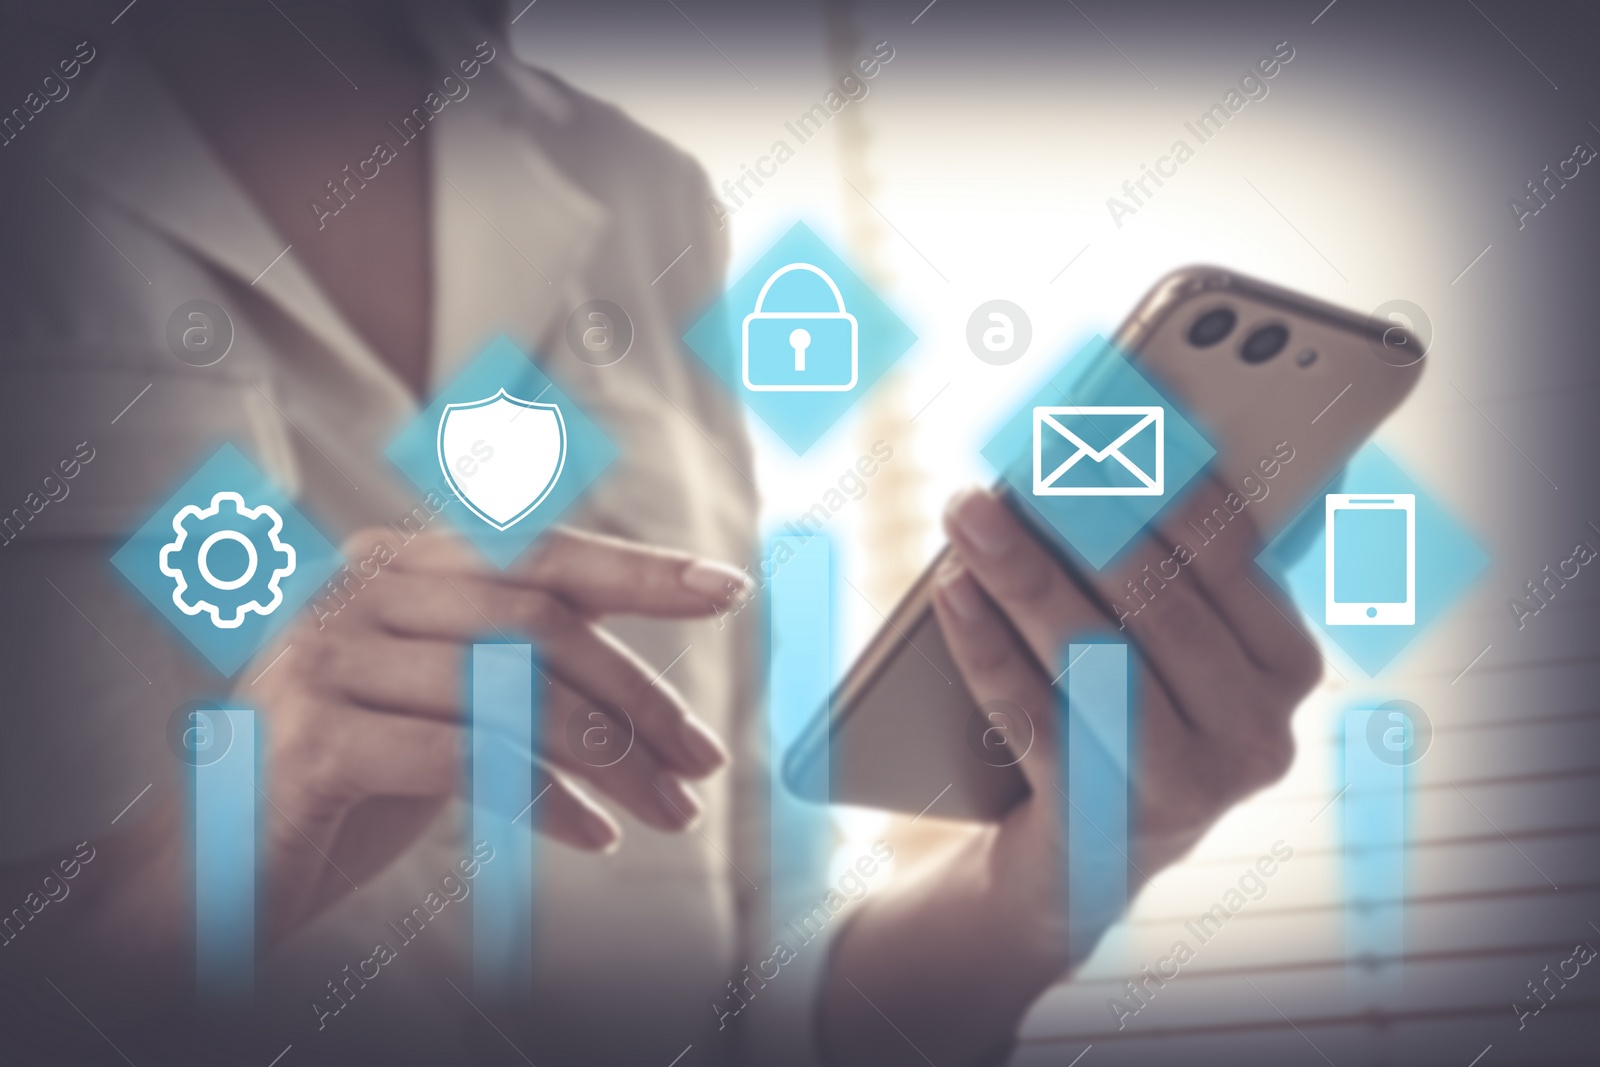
x: 626, y: 771
x: 411, y: 676
x: 414, y: 755
x: 1217, y: 546
x: 1179, y: 775
x: 1041, y: 599
x: 397, y: 755
x: 563, y: 811
x: 1186, y: 644
x: 607, y: 575
x: 597, y: 574
x: 998, y: 667
x: 572, y: 648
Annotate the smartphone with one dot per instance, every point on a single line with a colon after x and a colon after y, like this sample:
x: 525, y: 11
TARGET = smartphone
x: 1260, y: 370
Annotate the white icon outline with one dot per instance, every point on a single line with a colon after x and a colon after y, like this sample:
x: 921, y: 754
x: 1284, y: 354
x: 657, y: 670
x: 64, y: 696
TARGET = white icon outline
x: 1049, y: 415
x: 759, y: 313
x: 274, y: 583
x: 461, y: 492
x: 203, y: 559
x: 1353, y: 613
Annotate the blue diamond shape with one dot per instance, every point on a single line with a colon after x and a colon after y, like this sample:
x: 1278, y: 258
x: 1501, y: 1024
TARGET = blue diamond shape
x: 1447, y: 560
x: 221, y: 628
x: 722, y: 337
x: 586, y: 453
x: 1098, y: 527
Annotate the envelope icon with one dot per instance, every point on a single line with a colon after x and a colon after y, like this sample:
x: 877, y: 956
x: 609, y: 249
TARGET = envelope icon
x: 1098, y: 451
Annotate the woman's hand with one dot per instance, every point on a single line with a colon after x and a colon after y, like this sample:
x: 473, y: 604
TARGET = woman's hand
x: 364, y: 710
x: 958, y: 955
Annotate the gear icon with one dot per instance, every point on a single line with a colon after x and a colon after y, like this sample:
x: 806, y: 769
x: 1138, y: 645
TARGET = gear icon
x: 229, y: 597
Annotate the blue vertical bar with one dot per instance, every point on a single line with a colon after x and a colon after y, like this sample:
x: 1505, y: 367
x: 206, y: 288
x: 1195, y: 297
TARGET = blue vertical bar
x: 801, y: 638
x: 225, y: 841
x: 1096, y: 818
x: 502, y: 729
x: 1374, y: 829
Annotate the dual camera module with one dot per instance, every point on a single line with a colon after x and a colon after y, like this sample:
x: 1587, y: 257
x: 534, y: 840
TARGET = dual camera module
x: 1260, y: 345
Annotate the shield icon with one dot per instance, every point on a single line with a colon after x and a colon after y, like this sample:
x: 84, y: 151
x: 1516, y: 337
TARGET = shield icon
x: 502, y: 455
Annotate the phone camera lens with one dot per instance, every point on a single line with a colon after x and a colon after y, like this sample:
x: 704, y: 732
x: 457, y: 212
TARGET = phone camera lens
x: 1212, y: 327
x: 1264, y: 343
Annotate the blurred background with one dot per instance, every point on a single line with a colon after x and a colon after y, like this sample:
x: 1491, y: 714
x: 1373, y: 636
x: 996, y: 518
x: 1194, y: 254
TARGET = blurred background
x: 1378, y: 167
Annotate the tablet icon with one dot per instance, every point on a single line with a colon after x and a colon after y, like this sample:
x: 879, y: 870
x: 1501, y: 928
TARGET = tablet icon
x: 1371, y: 572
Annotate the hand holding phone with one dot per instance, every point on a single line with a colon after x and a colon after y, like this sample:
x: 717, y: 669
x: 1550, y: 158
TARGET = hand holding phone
x: 1284, y: 387
x: 1217, y: 680
x: 1217, y: 673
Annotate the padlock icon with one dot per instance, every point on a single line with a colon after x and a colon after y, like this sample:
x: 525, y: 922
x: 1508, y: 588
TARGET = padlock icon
x: 800, y: 351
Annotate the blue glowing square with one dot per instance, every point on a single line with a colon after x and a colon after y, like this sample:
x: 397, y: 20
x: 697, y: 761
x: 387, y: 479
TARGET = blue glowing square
x: 1377, y: 508
x: 799, y: 288
x: 505, y: 449
x: 227, y: 560
x: 1060, y: 452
